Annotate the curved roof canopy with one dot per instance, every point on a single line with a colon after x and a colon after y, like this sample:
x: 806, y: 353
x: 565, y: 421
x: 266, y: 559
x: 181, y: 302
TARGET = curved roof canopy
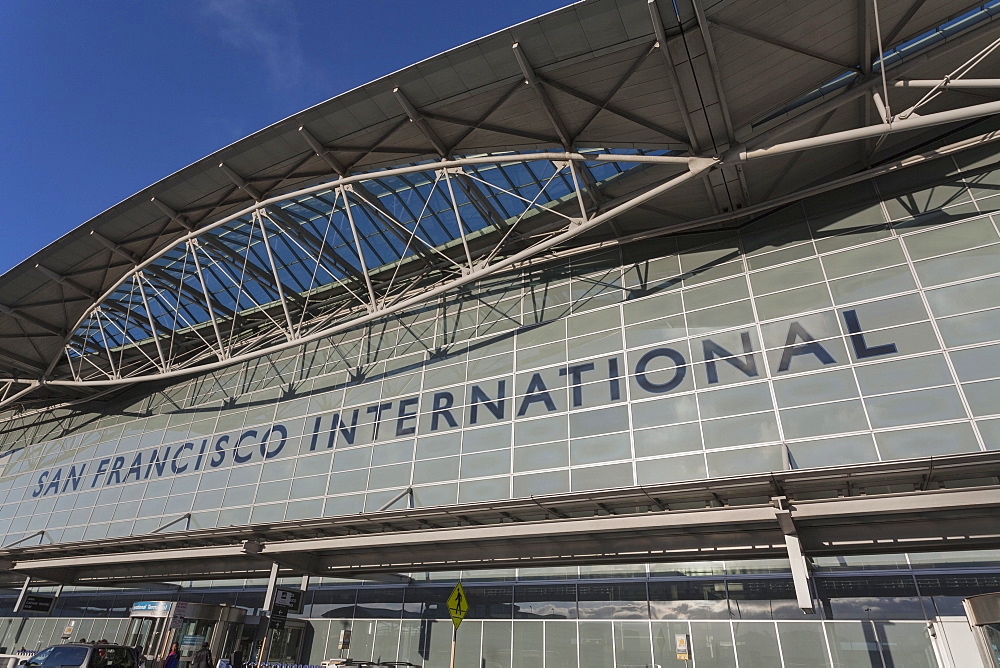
x: 601, y: 122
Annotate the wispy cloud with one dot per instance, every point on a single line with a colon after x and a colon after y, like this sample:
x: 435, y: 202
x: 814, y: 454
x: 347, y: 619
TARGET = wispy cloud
x: 267, y: 30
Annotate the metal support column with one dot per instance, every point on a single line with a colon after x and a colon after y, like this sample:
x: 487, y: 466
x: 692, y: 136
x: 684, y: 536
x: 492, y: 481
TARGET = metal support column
x: 800, y: 567
x: 22, y: 595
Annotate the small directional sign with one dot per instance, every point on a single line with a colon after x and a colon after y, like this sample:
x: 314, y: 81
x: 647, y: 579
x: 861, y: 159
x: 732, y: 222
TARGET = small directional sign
x: 290, y: 598
x: 279, y: 613
x: 36, y: 603
x: 458, y: 605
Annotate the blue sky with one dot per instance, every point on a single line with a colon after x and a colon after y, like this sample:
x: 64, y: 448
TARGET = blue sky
x: 99, y: 99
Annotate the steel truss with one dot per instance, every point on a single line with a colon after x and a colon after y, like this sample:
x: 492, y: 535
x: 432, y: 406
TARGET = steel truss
x: 302, y: 266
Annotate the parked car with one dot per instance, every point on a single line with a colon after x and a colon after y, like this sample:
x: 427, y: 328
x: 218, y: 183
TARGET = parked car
x: 83, y: 655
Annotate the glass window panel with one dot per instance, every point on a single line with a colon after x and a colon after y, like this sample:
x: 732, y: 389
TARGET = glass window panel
x: 273, y: 491
x: 382, y: 477
x: 442, y: 376
x: 667, y: 440
x: 864, y: 259
x: 832, y: 451
x: 486, y: 463
x: 964, y: 297
x: 602, y: 343
x: 496, y: 644
x: 708, y: 256
x: 536, y: 484
x: 662, y: 371
x: 276, y: 470
x: 853, y: 644
x: 484, y: 490
x: 528, y: 645
x: 983, y: 397
x: 781, y: 278
x: 435, y: 495
x: 435, y: 470
x: 178, y: 503
x: 392, y: 453
x: 655, y: 331
x: 245, y: 475
x: 951, y: 238
x: 798, y: 300
x: 549, y: 332
x: 300, y: 510
x: 799, y: 252
x: 824, y: 419
x: 906, y: 645
x: 815, y: 388
x: 545, y: 456
x: 803, y: 645
x: 872, y: 284
x: 713, y: 294
x: 719, y: 317
x: 664, y: 643
x: 712, y: 644
x: 971, y: 328
x: 353, y: 458
x: 600, y: 449
x: 757, y: 644
x: 757, y: 428
x: 490, y: 366
x: 668, y: 410
x: 747, y: 460
x: 909, y: 339
x: 632, y: 646
x: 596, y: 645
x: 967, y: 264
x: 348, y: 481
x: 561, y: 644
x: 488, y: 438
x: 668, y: 303
x: 891, y: 312
x: 977, y: 363
x: 234, y: 516
x: 439, y: 446
x: 670, y: 469
x: 602, y: 477
x: 344, y: 505
x: 274, y: 512
x: 550, y: 601
x: 928, y: 441
x: 303, y: 488
x: 206, y: 500
x: 990, y: 431
x: 812, y: 358
x: 238, y: 496
x: 603, y: 420
x: 549, y: 353
x: 594, y: 321
x: 541, y: 430
x: 893, y: 410
x: 735, y: 400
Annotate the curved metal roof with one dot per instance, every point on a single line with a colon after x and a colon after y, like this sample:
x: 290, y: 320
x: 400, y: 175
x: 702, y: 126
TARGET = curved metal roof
x: 595, y: 123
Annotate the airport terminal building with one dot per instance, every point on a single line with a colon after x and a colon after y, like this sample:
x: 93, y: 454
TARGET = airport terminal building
x: 669, y: 329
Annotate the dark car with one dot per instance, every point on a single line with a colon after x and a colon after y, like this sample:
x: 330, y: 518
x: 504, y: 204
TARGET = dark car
x: 83, y: 655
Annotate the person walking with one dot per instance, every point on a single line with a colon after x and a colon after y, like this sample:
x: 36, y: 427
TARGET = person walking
x: 203, y: 658
x: 173, y: 657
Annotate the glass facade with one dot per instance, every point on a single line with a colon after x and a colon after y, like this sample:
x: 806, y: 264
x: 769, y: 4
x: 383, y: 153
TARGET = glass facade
x: 855, y: 326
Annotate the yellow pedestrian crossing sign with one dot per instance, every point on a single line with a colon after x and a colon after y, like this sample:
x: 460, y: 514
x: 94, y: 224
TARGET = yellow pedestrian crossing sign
x: 458, y: 604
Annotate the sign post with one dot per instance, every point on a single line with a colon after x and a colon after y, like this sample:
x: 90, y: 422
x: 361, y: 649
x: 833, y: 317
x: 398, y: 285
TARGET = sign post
x: 458, y: 605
